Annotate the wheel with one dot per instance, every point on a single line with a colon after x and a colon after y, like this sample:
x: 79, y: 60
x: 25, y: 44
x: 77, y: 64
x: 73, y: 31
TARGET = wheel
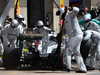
x: 64, y: 59
x: 60, y: 63
x: 85, y: 48
x: 11, y: 58
x: 55, y: 60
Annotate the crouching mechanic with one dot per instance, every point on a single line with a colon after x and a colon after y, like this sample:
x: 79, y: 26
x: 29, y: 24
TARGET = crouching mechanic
x: 10, y: 34
x: 86, y: 19
x: 41, y: 29
x: 95, y: 36
x: 72, y: 28
x: 22, y: 23
x: 90, y: 25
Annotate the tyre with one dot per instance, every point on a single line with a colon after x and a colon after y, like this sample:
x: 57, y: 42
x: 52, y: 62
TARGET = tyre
x: 55, y: 60
x: 64, y: 59
x: 60, y: 62
x: 85, y: 48
x: 11, y: 58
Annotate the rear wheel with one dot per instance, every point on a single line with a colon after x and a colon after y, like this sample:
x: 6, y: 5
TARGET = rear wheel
x: 11, y: 58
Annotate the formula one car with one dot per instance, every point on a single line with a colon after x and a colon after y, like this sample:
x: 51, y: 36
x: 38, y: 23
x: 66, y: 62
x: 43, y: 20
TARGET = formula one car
x: 33, y: 51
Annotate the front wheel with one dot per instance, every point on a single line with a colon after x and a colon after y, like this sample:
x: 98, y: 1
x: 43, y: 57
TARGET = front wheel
x: 85, y: 48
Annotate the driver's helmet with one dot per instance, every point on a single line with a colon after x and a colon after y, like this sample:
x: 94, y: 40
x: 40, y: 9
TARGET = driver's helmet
x: 39, y: 23
x: 14, y: 24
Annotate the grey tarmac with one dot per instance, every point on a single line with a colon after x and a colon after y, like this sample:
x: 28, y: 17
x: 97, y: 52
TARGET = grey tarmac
x: 44, y: 72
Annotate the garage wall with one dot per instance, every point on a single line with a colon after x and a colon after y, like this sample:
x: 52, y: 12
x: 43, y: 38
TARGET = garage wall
x: 56, y: 22
x: 23, y: 9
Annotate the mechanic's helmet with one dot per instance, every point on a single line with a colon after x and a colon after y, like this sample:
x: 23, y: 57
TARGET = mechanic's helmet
x: 19, y: 17
x: 24, y: 23
x: 86, y: 18
x: 14, y: 24
x: 60, y: 11
x: 39, y: 23
x: 88, y: 14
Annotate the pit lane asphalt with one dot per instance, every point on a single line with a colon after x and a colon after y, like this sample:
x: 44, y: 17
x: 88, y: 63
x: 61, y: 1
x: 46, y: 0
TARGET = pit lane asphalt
x: 28, y: 71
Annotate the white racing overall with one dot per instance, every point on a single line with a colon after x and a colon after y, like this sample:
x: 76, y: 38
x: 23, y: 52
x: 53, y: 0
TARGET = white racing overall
x: 95, y: 36
x: 10, y: 36
x: 71, y: 27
